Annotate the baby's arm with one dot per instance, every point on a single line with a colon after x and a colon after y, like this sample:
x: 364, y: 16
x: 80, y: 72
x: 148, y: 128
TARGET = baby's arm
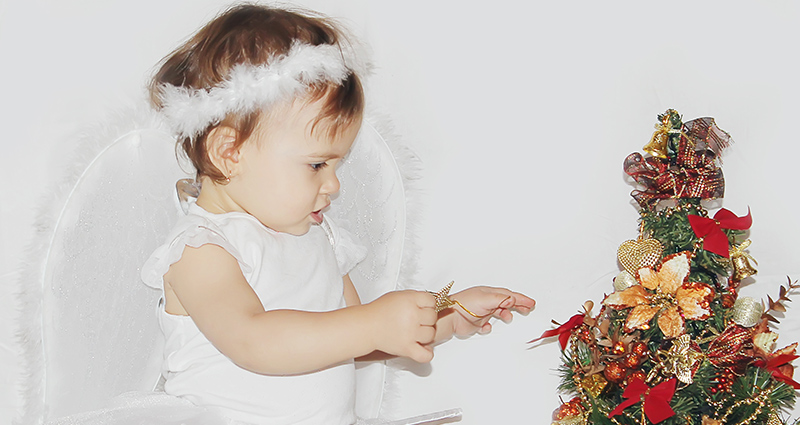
x: 210, y: 287
x: 484, y: 301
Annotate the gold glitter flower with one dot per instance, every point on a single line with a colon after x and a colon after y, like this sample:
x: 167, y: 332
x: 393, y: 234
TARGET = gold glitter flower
x: 665, y: 292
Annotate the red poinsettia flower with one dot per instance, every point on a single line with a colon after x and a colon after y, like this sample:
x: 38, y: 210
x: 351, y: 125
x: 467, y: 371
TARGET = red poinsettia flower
x: 664, y: 291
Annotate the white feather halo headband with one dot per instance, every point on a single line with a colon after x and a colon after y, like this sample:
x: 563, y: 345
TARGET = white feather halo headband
x: 190, y: 111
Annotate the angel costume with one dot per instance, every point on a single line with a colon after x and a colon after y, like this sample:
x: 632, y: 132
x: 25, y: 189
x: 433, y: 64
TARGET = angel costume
x: 98, y: 364
x: 286, y: 272
x: 79, y: 375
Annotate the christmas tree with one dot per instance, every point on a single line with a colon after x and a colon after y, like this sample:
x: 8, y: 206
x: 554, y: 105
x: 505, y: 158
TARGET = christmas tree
x: 674, y: 343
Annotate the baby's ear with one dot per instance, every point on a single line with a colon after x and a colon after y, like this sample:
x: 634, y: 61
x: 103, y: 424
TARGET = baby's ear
x: 222, y: 149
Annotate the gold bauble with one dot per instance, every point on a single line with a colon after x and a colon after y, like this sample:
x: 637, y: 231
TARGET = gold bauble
x: 623, y: 281
x: 747, y: 312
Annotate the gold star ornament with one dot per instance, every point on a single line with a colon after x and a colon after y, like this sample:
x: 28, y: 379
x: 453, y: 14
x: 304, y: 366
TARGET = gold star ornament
x: 442, y: 297
x: 444, y: 301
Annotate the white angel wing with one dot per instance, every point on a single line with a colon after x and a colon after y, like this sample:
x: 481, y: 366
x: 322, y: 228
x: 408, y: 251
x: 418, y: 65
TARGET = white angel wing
x: 88, y: 323
x: 372, y: 205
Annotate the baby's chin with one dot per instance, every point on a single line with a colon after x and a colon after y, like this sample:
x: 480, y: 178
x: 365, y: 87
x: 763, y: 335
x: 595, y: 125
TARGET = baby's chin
x: 298, y: 230
x: 299, y: 233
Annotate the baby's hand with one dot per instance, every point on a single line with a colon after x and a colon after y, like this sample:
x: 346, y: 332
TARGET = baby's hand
x: 404, y: 324
x: 487, y: 302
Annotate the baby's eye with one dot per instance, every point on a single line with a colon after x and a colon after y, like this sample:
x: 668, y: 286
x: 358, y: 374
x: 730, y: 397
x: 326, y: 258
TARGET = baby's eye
x: 318, y: 166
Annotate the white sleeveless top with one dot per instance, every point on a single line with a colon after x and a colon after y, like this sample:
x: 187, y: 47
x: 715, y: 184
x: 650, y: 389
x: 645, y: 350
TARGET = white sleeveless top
x: 286, y: 272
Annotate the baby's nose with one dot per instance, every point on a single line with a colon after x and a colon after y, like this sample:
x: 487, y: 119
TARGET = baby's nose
x: 331, y: 184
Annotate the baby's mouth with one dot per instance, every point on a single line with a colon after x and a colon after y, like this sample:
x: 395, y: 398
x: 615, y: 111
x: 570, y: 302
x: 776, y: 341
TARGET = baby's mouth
x: 317, y: 215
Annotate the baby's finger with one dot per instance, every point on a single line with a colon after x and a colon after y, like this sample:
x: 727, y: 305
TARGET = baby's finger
x: 516, y: 301
x: 421, y: 354
x: 427, y: 316
x: 495, y: 299
x: 425, y: 300
x: 523, y: 303
x: 503, y: 314
x: 426, y: 334
x: 508, y: 302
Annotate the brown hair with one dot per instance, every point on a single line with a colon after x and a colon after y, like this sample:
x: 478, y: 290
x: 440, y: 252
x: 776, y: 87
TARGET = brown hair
x: 253, y: 34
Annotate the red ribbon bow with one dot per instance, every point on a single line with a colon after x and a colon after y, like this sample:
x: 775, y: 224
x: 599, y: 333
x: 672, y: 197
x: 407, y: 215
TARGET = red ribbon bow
x: 773, y: 365
x: 563, y: 331
x: 710, y: 230
x: 656, y: 400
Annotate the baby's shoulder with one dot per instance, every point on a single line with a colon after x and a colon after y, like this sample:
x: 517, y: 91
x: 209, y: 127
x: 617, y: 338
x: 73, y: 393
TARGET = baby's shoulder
x: 240, y: 235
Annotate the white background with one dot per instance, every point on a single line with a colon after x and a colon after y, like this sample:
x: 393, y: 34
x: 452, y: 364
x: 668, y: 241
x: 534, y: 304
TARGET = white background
x: 521, y: 112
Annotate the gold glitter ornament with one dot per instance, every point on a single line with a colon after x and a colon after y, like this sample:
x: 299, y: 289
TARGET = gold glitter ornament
x: 623, y: 281
x: 594, y: 384
x: 442, y: 297
x: 570, y: 413
x: 640, y: 253
x: 747, y: 312
x: 568, y: 409
x: 573, y: 420
x: 658, y: 142
x: 681, y: 360
x: 615, y: 372
x: 740, y: 259
x: 640, y: 348
x: 631, y: 360
x: 444, y: 301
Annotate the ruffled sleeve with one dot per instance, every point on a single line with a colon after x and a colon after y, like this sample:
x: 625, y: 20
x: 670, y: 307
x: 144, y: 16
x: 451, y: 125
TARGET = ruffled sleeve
x: 193, y: 233
x: 347, y: 249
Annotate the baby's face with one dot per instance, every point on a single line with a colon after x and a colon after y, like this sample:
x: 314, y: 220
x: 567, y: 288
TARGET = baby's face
x: 288, y: 173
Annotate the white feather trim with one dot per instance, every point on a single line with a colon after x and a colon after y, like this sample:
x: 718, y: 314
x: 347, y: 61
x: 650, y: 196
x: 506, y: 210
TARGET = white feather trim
x: 248, y: 88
